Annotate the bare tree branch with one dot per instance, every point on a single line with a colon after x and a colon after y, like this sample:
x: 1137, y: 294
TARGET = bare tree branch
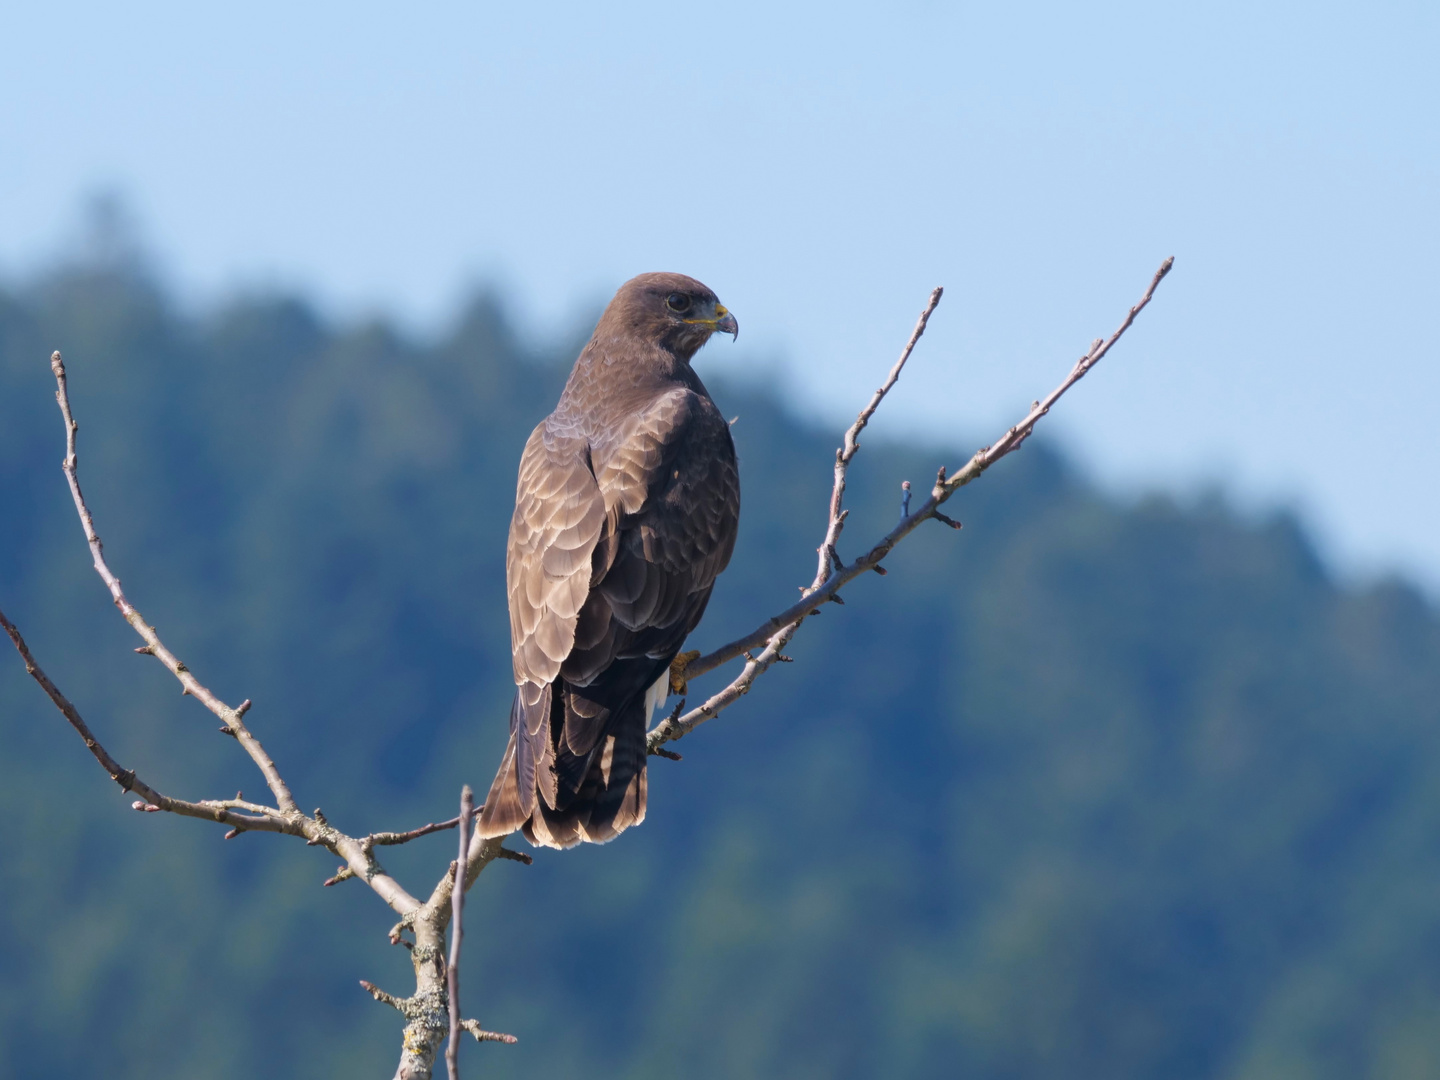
x: 481, y: 1035
x: 457, y: 932
x: 388, y: 838
x: 829, y: 557
x: 265, y: 819
x: 153, y: 645
x: 287, y: 818
x: 426, y: 1012
x: 775, y: 633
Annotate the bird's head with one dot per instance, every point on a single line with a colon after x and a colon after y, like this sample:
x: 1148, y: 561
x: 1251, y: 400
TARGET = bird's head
x: 671, y: 310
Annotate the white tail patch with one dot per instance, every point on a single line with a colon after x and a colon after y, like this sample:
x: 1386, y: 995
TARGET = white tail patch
x: 607, y: 759
x: 655, y: 696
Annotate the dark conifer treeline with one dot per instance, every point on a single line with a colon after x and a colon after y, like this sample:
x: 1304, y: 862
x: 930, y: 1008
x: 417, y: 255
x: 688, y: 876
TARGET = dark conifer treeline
x: 1086, y: 790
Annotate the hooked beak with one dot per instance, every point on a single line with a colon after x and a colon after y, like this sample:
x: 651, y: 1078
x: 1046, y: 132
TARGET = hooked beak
x: 722, y: 323
x: 725, y: 323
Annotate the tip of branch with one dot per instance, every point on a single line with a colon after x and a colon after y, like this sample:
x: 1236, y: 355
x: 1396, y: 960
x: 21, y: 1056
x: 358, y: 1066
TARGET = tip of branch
x: 243, y: 707
x: 57, y: 365
x: 234, y: 833
x: 145, y: 650
x: 671, y: 755
x: 947, y: 520
x: 144, y: 807
x: 518, y: 856
x: 879, y: 569
x: 481, y: 1035
x: 381, y: 996
x: 1164, y: 269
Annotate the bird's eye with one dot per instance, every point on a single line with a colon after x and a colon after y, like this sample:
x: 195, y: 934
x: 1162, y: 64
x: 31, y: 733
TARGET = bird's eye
x: 678, y: 302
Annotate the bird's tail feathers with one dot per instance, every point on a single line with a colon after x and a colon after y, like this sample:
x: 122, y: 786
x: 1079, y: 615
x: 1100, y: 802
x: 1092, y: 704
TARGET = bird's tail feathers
x: 504, y: 810
x: 611, y: 798
x: 524, y: 767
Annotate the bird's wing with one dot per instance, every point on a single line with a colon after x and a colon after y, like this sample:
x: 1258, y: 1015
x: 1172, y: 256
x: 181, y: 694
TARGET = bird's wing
x: 672, y: 496
x: 608, y: 568
x: 559, y: 518
x: 654, y: 525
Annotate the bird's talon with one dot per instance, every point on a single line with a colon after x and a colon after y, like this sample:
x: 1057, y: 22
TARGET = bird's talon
x: 678, y: 682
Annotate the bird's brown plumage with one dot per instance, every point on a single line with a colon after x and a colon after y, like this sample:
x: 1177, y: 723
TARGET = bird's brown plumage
x: 625, y: 511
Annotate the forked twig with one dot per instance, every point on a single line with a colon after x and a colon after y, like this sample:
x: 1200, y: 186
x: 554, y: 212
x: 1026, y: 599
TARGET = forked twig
x: 153, y: 646
x: 265, y: 819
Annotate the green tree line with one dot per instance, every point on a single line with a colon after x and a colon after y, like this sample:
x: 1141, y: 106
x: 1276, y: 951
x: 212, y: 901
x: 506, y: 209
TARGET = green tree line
x: 1092, y: 788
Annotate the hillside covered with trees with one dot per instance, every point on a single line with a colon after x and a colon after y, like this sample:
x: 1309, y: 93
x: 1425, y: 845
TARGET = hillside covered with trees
x: 1088, y: 789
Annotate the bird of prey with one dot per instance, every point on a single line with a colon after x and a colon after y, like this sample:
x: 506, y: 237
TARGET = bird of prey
x: 625, y: 512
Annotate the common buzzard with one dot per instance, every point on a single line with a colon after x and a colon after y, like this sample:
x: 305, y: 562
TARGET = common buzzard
x: 625, y: 511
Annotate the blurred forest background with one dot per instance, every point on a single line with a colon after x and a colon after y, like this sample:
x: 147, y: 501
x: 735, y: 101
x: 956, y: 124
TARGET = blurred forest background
x: 1093, y: 788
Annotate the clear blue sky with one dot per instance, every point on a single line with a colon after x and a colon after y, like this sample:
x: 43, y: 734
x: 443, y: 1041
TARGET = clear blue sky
x: 822, y: 166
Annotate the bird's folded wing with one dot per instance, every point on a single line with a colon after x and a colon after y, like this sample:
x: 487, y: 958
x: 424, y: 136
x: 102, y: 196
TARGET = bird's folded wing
x: 672, y: 488
x: 613, y: 550
x: 559, y: 517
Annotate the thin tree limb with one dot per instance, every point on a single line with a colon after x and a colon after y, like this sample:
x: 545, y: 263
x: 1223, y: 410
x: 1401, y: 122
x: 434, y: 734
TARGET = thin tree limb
x: 457, y: 932
x: 776, y: 631
x: 427, y: 1011
x: 387, y: 838
x: 829, y: 557
x: 231, y: 718
x: 266, y: 819
x: 287, y: 818
x: 481, y: 1035
x: 314, y: 830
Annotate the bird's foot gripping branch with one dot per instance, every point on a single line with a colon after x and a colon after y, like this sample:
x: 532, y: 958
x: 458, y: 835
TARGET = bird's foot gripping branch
x: 431, y: 1013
